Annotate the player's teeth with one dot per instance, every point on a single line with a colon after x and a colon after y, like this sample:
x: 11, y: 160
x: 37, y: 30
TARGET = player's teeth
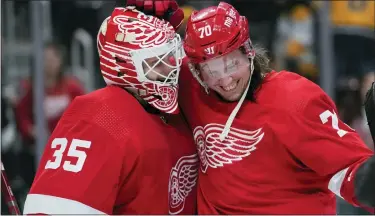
x: 231, y: 87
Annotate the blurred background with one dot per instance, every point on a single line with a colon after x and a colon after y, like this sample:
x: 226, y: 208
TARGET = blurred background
x: 49, y: 56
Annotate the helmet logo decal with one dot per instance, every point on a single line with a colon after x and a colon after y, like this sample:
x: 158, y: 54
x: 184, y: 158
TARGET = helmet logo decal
x: 143, y: 32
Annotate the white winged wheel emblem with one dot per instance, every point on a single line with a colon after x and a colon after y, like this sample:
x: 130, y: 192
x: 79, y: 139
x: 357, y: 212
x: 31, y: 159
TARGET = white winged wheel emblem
x: 215, y: 153
x: 182, y: 179
x: 142, y: 32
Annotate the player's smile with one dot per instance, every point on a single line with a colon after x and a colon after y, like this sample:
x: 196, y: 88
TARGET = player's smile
x: 230, y: 87
x: 227, y: 75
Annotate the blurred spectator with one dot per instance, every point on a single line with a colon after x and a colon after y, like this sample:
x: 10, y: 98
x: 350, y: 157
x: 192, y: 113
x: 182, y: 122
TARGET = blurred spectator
x: 297, y: 41
x: 59, y: 92
x: 351, y: 96
x: 354, y: 36
x: 263, y: 16
x: 349, y: 100
x: 353, y: 24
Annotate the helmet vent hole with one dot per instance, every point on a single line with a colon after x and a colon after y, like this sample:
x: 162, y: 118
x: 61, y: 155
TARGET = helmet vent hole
x: 119, y: 60
x: 208, y: 43
x: 120, y: 74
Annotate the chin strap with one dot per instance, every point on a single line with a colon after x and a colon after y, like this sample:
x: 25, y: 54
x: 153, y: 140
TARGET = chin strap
x: 230, y: 120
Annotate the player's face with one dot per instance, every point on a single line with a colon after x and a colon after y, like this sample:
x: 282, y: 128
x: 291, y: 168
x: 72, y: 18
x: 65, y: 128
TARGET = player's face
x: 52, y: 62
x: 227, y: 75
x: 156, y: 69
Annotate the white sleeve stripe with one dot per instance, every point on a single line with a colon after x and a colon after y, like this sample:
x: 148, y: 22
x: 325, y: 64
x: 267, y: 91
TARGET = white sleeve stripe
x: 52, y: 205
x: 336, y: 181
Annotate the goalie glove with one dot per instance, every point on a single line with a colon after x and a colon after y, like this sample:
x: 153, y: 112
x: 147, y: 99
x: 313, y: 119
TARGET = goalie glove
x: 164, y: 9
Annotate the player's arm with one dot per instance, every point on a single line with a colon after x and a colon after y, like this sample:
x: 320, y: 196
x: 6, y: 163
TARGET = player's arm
x: 365, y: 175
x: 330, y: 148
x: 80, y: 172
x: 364, y: 185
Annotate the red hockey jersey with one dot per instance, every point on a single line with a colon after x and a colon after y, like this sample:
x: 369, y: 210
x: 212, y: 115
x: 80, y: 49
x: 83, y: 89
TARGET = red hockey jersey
x: 285, y: 154
x: 107, y: 155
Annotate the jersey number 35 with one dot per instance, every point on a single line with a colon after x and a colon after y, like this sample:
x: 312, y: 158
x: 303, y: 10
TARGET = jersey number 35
x: 60, y: 144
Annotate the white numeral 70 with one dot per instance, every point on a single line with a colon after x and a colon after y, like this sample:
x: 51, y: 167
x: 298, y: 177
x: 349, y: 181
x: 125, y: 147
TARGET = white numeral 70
x: 335, y: 121
x: 72, y: 152
x: 205, y: 31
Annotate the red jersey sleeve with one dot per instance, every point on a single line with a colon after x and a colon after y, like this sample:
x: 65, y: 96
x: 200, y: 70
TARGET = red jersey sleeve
x: 326, y: 145
x: 80, y: 172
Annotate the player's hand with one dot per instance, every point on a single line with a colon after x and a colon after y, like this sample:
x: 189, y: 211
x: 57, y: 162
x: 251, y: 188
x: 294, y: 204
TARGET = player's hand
x: 164, y: 9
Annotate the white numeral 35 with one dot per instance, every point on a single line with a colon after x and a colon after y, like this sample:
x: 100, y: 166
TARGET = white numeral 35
x: 60, y: 145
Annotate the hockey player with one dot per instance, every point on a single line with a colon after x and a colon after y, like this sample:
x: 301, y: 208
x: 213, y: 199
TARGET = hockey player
x: 123, y: 149
x: 269, y: 142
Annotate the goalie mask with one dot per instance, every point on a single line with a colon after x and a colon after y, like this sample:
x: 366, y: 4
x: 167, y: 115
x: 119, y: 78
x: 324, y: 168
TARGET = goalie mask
x: 142, y: 53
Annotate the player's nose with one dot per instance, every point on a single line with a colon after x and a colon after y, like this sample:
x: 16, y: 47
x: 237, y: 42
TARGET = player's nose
x: 226, y: 80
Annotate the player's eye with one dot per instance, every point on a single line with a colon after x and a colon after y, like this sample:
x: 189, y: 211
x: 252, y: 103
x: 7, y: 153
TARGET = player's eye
x: 214, y: 73
x: 161, y: 79
x: 231, y: 66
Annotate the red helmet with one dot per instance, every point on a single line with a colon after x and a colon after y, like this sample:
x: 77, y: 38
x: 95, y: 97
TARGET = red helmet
x: 125, y: 41
x: 215, y: 31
